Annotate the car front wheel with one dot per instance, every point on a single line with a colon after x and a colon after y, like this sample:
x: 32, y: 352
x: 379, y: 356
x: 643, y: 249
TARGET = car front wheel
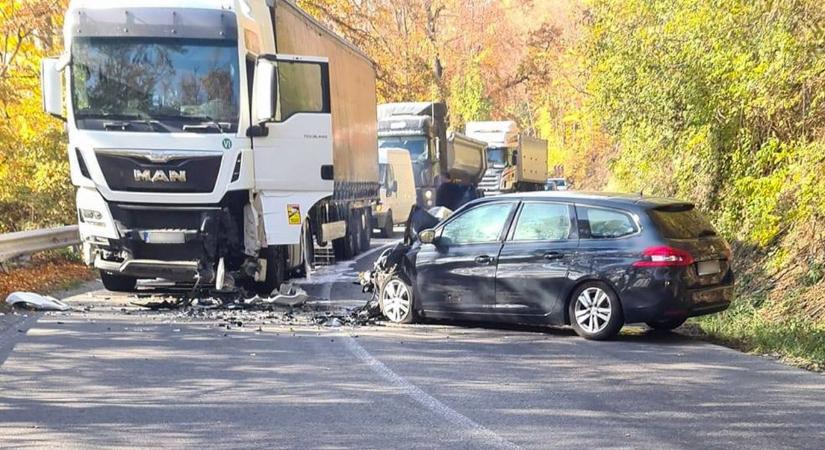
x: 595, y: 312
x: 397, y: 303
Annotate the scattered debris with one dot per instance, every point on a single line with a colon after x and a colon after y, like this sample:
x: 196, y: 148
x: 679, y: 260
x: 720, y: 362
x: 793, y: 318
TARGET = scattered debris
x: 288, y: 296
x: 36, y: 302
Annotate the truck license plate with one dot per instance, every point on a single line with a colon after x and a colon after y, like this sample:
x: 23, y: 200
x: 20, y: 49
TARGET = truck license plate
x: 709, y: 267
x: 164, y: 237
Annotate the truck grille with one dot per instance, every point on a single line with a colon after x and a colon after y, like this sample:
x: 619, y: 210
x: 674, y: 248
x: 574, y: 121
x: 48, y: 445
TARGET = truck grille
x: 491, y: 182
x: 136, y: 174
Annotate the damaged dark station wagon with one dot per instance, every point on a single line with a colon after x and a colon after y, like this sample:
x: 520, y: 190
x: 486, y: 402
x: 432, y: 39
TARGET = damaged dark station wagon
x: 592, y: 261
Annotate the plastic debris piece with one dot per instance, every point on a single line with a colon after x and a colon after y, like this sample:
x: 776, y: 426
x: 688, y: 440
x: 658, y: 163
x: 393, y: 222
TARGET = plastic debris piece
x: 36, y: 302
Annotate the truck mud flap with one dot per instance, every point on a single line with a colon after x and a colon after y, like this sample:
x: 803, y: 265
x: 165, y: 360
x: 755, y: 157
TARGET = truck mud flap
x: 333, y: 230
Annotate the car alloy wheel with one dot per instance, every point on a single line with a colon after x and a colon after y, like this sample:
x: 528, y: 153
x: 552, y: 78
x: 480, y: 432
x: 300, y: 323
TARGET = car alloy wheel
x: 593, y: 310
x: 396, y: 301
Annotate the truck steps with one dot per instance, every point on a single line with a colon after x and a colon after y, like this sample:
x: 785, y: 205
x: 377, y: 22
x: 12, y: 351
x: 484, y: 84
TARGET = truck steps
x: 324, y: 255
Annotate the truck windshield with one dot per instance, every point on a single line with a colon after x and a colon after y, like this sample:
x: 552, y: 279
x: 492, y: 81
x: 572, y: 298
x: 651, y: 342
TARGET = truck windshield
x: 497, y: 156
x: 155, y: 85
x: 417, y: 146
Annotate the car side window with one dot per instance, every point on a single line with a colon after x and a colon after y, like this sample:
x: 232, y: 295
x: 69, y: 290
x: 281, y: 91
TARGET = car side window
x: 543, y: 222
x: 607, y: 223
x: 478, y: 225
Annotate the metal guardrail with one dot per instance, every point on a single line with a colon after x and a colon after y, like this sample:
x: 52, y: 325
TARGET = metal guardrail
x: 23, y: 243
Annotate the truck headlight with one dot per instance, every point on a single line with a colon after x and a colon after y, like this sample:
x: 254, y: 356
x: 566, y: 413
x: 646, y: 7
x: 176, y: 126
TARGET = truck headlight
x: 91, y: 217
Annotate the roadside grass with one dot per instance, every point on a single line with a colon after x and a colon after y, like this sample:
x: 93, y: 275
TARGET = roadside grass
x: 746, y: 327
x: 44, y: 274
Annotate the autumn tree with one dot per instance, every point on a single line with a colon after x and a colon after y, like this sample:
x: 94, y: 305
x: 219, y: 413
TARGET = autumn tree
x: 34, y: 187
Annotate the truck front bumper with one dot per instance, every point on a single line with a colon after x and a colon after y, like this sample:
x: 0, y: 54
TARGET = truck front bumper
x: 178, y: 271
x: 177, y: 243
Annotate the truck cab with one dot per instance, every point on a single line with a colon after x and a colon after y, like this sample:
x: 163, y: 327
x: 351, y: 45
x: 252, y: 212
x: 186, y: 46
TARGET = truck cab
x: 516, y: 162
x: 421, y: 129
x: 447, y: 167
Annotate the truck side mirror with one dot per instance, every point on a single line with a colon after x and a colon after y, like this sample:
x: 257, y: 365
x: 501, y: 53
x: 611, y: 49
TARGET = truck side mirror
x: 265, y: 91
x: 51, y: 87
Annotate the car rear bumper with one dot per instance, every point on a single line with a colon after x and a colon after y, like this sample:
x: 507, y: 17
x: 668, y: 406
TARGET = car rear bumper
x: 664, y: 301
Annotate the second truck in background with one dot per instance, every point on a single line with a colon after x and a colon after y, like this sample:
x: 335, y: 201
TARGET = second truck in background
x: 445, y: 166
x: 516, y: 162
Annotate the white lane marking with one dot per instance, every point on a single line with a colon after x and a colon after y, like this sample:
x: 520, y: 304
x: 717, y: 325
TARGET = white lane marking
x: 463, y: 424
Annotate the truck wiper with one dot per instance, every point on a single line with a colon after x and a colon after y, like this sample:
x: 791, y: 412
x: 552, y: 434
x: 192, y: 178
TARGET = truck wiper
x: 124, y: 125
x: 206, y: 124
x: 120, y: 121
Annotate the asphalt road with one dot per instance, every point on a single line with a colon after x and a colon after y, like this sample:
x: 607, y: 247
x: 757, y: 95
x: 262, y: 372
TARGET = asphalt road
x: 115, y: 375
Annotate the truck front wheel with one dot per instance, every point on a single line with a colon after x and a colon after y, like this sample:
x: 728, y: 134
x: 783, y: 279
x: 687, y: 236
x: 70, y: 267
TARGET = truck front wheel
x: 118, y: 283
x: 275, y: 271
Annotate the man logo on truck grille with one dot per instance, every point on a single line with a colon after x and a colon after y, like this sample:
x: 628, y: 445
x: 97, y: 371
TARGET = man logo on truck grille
x: 160, y: 176
x: 293, y: 214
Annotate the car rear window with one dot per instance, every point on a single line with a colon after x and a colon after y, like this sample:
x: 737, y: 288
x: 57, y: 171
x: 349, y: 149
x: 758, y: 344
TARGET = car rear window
x: 681, y: 222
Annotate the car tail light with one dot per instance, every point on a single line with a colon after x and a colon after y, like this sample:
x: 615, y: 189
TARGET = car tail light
x: 664, y: 257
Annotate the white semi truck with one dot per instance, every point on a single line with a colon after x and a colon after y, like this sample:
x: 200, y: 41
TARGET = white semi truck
x: 516, y: 162
x: 213, y: 142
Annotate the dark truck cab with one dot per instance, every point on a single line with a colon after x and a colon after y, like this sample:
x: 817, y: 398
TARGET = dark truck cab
x: 437, y: 157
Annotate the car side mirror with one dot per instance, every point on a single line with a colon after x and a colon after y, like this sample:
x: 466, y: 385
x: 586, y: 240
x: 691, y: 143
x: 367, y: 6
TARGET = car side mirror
x: 51, y: 87
x: 427, y: 236
x: 265, y: 91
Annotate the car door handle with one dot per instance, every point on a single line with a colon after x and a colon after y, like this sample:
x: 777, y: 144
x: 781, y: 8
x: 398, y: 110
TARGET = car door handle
x: 485, y: 260
x: 552, y: 256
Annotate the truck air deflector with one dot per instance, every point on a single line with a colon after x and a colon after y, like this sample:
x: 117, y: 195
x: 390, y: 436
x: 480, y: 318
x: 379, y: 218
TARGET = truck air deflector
x: 181, y: 23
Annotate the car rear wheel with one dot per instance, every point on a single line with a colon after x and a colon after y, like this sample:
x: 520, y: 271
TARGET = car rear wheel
x: 666, y: 325
x: 118, y: 283
x: 595, y: 312
x: 397, y: 303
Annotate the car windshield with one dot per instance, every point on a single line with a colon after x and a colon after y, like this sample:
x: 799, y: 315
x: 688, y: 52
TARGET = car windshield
x: 497, y: 156
x: 149, y: 84
x: 417, y: 146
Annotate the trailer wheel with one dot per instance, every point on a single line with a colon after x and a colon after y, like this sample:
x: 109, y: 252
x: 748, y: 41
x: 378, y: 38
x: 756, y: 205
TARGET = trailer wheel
x: 275, y: 271
x: 366, y: 230
x: 346, y: 247
x: 386, y: 227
